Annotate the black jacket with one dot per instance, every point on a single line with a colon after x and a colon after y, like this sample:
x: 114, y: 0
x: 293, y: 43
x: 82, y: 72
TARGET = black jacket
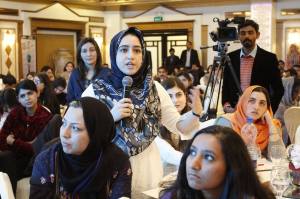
x: 194, y: 58
x: 265, y: 73
x: 170, y: 64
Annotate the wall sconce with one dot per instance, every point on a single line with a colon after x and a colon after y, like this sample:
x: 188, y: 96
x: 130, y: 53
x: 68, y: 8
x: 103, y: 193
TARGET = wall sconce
x: 98, y: 33
x: 8, y: 43
x: 9, y: 37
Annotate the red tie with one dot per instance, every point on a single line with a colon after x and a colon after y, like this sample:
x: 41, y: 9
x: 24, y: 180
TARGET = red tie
x: 245, y: 71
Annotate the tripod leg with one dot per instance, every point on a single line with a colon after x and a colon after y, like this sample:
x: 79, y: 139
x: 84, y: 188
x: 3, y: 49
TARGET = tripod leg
x: 235, y: 79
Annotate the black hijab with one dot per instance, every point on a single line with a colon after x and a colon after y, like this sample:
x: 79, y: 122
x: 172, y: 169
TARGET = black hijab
x: 87, y: 174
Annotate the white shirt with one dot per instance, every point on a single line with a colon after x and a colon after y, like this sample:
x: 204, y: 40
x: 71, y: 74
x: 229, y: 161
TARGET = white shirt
x: 252, y: 54
x: 188, y: 58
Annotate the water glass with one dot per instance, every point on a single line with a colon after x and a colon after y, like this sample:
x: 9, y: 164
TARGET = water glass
x: 277, y: 154
x: 280, y: 180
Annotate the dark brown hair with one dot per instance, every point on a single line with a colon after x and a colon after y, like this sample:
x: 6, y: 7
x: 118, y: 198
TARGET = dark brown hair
x: 81, y: 66
x: 261, y: 89
x: 249, y: 22
x: 240, y: 180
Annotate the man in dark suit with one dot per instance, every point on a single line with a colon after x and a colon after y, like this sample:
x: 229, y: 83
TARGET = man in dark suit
x: 189, y: 57
x: 252, y: 66
x: 172, y: 61
x: 190, y: 60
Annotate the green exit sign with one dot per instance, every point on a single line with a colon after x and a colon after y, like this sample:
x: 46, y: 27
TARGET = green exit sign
x: 158, y: 18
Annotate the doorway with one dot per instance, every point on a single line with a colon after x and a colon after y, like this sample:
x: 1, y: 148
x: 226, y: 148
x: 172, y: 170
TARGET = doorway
x: 53, y: 46
x: 160, y: 42
x: 161, y: 36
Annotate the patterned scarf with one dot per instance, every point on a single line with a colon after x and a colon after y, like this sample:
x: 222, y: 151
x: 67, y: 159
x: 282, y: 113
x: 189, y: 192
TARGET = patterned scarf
x: 134, y: 134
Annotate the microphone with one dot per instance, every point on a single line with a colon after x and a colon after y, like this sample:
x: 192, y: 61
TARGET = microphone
x: 127, y: 83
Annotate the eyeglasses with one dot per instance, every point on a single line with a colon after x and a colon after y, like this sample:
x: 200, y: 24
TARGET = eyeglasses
x: 36, y: 81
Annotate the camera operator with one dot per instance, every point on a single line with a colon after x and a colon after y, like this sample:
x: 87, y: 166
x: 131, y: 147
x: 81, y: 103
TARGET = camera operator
x: 252, y: 66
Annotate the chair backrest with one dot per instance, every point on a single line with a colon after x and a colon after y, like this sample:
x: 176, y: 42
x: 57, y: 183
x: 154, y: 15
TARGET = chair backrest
x: 6, y: 191
x: 297, y: 136
x: 292, y: 121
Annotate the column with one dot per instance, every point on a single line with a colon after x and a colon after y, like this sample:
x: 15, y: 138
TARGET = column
x: 264, y: 13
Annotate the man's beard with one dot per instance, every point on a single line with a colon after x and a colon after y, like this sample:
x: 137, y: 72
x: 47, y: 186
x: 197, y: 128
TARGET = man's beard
x: 247, y: 43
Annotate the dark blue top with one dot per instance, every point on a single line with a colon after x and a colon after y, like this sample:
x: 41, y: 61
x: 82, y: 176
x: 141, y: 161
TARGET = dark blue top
x: 76, y: 85
x: 167, y: 195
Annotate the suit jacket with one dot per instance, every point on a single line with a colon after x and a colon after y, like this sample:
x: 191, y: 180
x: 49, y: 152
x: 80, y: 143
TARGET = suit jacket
x: 171, y: 64
x: 194, y: 58
x: 265, y: 73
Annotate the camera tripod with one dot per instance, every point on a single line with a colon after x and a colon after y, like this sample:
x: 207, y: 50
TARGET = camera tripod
x: 221, y: 61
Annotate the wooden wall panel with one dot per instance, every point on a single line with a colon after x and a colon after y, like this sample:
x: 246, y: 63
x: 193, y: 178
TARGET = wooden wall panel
x: 48, y: 44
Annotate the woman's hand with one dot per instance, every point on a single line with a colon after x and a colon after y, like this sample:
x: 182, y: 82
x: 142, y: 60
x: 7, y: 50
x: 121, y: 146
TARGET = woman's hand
x: 195, y: 101
x: 273, y: 130
x: 122, y: 109
x: 268, y: 118
x: 10, y: 139
x: 248, y: 133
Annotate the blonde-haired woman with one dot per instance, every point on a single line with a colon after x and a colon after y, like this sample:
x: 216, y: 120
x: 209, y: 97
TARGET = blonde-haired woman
x: 293, y: 56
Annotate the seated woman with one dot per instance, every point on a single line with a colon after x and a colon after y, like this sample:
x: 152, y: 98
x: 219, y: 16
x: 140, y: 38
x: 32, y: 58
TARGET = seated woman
x: 215, y: 166
x: 291, y: 97
x: 179, y: 97
x: 8, y: 100
x: 59, y: 85
x: 30, y: 75
x: 46, y: 93
x: 186, y: 79
x: 85, y: 164
x: 48, y: 70
x: 21, y: 128
x: 68, y: 68
x: 254, y: 104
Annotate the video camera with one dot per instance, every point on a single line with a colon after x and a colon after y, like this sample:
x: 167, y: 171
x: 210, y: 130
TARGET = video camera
x: 225, y: 33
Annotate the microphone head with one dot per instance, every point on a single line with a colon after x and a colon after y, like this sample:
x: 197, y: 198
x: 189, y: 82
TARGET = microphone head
x: 127, y: 81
